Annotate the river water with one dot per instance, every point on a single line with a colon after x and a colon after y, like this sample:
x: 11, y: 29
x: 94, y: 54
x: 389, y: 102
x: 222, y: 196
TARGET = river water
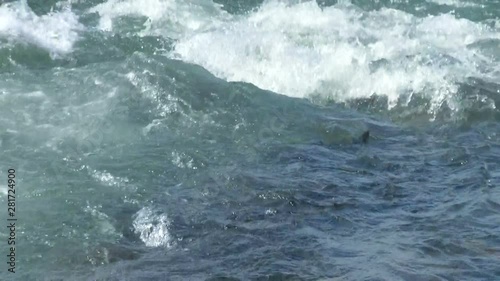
x: 200, y: 140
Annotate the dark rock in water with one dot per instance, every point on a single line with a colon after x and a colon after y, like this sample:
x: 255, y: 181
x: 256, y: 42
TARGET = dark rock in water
x: 334, y: 138
x: 365, y: 136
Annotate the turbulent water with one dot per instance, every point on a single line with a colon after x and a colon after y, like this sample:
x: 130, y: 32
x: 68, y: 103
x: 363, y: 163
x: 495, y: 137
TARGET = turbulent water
x: 200, y: 140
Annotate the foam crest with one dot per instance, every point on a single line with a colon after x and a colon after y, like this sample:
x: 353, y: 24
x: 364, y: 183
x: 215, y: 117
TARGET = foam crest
x: 152, y: 227
x: 108, y: 179
x: 455, y: 3
x: 55, y: 32
x: 163, y: 17
x: 341, y: 51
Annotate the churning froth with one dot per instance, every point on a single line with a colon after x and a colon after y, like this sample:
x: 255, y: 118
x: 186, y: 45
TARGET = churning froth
x: 343, y: 52
x: 55, y: 32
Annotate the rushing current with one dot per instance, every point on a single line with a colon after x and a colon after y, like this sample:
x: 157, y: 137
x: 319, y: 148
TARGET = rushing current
x: 220, y: 139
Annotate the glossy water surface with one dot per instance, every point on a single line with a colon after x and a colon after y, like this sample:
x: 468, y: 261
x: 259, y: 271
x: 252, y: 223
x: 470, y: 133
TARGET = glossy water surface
x: 200, y: 140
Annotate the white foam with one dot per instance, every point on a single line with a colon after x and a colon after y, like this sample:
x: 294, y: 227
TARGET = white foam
x: 55, y: 32
x: 164, y: 17
x: 455, y: 3
x: 152, y: 227
x: 108, y: 179
x: 3, y: 189
x: 341, y: 51
x: 182, y: 160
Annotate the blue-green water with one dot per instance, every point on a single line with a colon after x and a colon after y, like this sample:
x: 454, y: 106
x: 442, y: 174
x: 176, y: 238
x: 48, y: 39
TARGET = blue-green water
x: 200, y: 140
